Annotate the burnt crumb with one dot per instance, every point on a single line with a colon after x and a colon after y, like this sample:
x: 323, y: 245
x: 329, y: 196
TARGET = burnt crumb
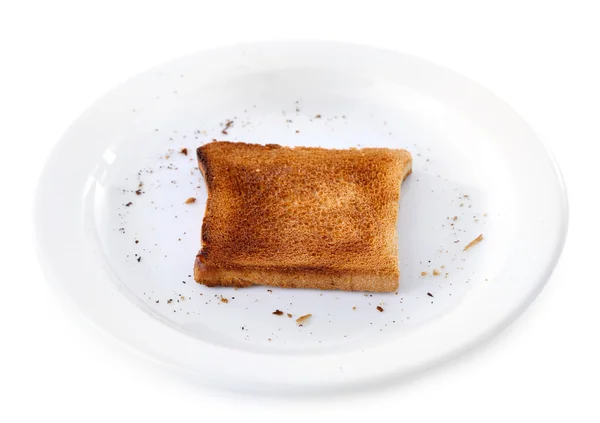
x: 128, y: 204
x: 380, y: 309
x: 184, y: 151
x: 353, y: 308
x: 169, y: 301
x: 289, y: 315
x: 138, y: 192
x: 190, y: 200
x: 137, y: 241
x: 474, y: 242
x: 297, y: 131
x: 157, y: 301
x: 139, y: 259
x: 278, y: 312
x: 430, y: 294
x: 269, y: 290
x: 300, y: 320
x: 228, y: 124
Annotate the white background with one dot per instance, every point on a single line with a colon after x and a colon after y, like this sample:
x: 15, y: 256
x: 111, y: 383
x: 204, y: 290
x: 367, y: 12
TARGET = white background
x: 542, y: 57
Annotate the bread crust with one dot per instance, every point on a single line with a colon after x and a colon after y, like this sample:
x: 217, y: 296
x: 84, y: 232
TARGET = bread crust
x: 300, y: 217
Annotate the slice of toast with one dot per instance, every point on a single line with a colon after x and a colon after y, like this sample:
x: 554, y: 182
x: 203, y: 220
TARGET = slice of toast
x: 300, y: 217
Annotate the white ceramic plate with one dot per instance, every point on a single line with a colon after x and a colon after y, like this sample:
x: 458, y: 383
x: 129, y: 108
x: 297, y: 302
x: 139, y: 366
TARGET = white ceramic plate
x: 478, y: 169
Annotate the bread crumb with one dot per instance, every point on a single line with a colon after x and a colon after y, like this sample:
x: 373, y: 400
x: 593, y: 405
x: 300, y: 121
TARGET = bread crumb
x: 380, y: 309
x: 289, y: 315
x: 423, y: 273
x: 474, y: 242
x: 190, y: 200
x: 436, y: 272
x: 455, y: 218
x: 224, y: 300
x: 300, y: 320
x: 182, y: 297
x: 318, y: 117
x: 228, y: 124
x: 278, y: 312
x: 353, y: 308
x: 268, y: 339
x: 184, y: 151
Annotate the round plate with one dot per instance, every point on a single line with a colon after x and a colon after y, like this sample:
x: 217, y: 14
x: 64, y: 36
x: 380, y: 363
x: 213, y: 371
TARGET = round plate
x: 116, y: 236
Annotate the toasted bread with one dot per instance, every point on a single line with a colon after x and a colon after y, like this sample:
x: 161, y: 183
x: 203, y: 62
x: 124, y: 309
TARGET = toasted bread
x: 300, y: 217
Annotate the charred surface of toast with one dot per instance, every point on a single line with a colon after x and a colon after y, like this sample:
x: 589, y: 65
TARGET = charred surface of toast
x: 300, y: 217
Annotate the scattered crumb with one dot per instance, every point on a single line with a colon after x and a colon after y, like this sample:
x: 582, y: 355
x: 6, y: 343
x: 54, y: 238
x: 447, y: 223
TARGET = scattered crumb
x: 430, y: 294
x: 169, y: 301
x: 461, y: 204
x: 423, y: 273
x: 300, y: 320
x: 184, y: 151
x: 224, y: 300
x: 128, y: 204
x: 182, y: 297
x: 380, y: 309
x: 474, y: 242
x: 268, y: 339
x: 278, y: 312
x: 318, y: 117
x: 455, y: 218
x: 436, y: 272
x: 297, y: 131
x: 227, y: 126
x: 289, y: 315
x: 139, y: 259
x: 443, y: 266
x: 190, y: 200
x: 465, y: 196
x: 139, y: 192
x: 269, y: 290
x: 353, y: 308
x: 137, y: 241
